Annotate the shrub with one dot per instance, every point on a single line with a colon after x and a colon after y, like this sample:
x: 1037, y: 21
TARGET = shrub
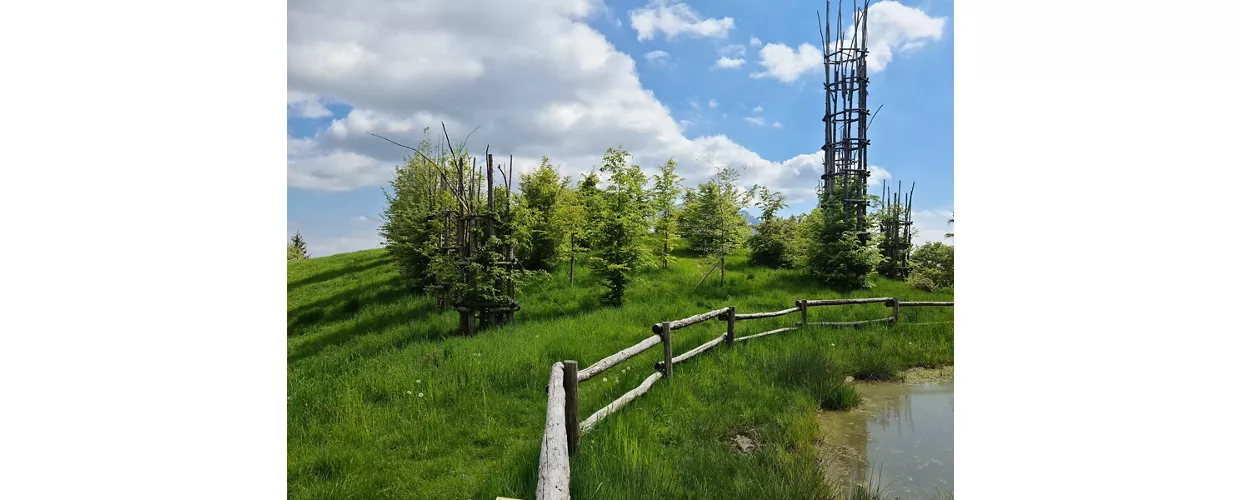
x: 297, y: 248
x: 933, y: 266
x: 834, y: 253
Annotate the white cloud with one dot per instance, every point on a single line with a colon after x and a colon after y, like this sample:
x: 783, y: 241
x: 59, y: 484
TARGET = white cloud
x: 405, y: 66
x: 757, y: 109
x: 931, y: 225
x: 713, y: 103
x: 892, y: 27
x: 754, y: 42
x: 777, y: 125
x: 729, y: 63
x: 756, y: 120
x: 306, y: 105
x: 785, y: 64
x: 655, y: 56
x: 674, y: 19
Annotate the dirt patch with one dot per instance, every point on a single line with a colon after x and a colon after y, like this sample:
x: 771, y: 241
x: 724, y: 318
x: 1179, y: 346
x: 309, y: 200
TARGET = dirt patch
x: 743, y: 444
x: 930, y: 375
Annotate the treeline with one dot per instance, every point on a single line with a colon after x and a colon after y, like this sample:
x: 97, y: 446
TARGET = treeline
x: 626, y: 224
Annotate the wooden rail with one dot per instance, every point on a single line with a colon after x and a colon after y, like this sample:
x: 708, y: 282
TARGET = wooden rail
x: 562, y: 433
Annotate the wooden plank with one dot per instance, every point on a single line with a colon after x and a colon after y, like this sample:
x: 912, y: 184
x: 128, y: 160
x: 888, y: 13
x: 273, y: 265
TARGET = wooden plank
x: 773, y: 314
x: 696, y: 350
x: 665, y: 335
x: 692, y: 320
x: 616, y: 358
x: 571, y: 418
x: 763, y: 334
x: 836, y: 302
x: 923, y: 304
x: 553, y: 460
x: 620, y: 402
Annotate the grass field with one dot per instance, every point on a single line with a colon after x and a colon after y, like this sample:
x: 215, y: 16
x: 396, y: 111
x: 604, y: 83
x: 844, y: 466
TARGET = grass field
x: 385, y: 401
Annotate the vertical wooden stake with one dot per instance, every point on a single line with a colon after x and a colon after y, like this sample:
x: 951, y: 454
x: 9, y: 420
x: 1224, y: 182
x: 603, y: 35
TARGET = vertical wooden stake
x: 804, y: 312
x: 571, y: 418
x: 665, y: 336
x: 895, y: 310
x: 731, y: 325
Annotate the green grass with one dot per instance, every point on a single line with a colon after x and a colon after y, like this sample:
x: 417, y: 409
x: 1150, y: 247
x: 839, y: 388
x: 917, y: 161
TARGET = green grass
x: 385, y: 401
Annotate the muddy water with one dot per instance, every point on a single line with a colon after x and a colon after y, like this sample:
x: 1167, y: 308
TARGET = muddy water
x: 900, y: 440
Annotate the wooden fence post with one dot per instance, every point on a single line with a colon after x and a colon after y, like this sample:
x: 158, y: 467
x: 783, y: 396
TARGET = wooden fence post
x: 731, y: 325
x: 665, y: 336
x: 571, y: 418
x: 895, y: 310
x: 804, y: 312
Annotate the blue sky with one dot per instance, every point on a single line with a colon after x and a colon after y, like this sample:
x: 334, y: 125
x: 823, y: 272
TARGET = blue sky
x: 344, y: 81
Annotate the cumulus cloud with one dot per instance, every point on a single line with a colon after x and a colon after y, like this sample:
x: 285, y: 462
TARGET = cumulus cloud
x: 754, y: 42
x: 674, y: 19
x: 755, y: 120
x: 531, y: 75
x: 777, y: 125
x: 892, y: 28
x: 656, y: 56
x: 931, y: 225
x: 713, y: 103
x: 304, y: 105
x: 729, y: 63
x: 757, y: 109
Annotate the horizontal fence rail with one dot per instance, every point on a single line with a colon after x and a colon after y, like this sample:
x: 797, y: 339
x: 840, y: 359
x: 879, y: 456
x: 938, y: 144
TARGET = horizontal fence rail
x: 562, y: 433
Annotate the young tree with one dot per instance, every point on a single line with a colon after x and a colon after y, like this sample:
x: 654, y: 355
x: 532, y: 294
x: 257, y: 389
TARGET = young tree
x: 770, y: 245
x: 297, y: 248
x: 411, y: 220
x: 617, y: 250
x: 933, y: 266
x: 572, y: 217
x: 835, y: 254
x: 541, y: 226
x: 712, y: 222
x: 666, y: 189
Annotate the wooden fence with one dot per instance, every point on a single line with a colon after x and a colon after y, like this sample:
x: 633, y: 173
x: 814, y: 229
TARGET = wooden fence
x: 564, y: 429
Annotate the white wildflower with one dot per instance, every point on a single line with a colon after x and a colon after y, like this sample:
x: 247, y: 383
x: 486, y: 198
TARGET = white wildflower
x: 408, y: 392
x: 604, y: 379
x: 419, y: 394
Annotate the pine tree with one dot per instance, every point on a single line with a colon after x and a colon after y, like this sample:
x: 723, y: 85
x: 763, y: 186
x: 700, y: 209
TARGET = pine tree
x: 297, y: 248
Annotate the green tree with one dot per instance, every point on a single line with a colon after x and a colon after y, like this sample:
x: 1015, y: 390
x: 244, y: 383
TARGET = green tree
x: 297, y: 248
x: 712, y: 221
x: 771, y: 244
x: 572, y: 217
x: 933, y: 266
x: 617, y: 251
x: 835, y: 254
x: 667, y: 189
x: 542, y: 228
x: 413, y: 217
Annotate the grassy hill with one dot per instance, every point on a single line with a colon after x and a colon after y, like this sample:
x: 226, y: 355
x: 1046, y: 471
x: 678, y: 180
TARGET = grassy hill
x: 385, y: 401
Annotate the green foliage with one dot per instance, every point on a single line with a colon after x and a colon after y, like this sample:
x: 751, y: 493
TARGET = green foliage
x: 951, y: 222
x: 622, y: 221
x: 772, y: 242
x: 589, y: 196
x: 411, y: 220
x: 541, y: 227
x: 667, y: 189
x: 933, y: 266
x: 297, y: 248
x: 834, y: 253
x: 712, y: 222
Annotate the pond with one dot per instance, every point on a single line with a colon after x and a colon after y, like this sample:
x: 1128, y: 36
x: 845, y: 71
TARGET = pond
x: 899, y: 440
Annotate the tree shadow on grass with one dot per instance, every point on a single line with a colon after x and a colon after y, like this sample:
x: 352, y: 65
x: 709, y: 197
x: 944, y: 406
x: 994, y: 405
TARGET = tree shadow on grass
x: 340, y: 272
x: 345, y: 304
x: 376, y: 324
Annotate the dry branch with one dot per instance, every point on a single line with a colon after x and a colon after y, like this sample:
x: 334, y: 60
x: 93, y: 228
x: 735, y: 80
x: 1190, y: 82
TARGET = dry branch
x: 658, y: 365
x: 836, y: 302
x: 616, y: 358
x: 692, y: 320
x: 616, y: 405
x: 764, y: 314
x: 553, y: 461
x: 763, y: 334
x: 920, y: 304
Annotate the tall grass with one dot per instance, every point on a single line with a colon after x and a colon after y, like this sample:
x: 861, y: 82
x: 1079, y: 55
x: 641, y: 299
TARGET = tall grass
x: 386, y: 401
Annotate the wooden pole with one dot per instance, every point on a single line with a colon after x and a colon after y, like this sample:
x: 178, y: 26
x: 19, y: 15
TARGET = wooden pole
x: 571, y: 418
x: 804, y: 312
x: 553, y: 465
x: 572, y: 259
x: 731, y: 325
x: 895, y: 310
x: 665, y: 336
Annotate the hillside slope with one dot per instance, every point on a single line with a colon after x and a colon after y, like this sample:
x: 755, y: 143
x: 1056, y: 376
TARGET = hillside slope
x: 385, y: 401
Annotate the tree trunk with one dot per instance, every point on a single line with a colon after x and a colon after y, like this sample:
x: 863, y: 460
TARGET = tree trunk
x: 572, y: 259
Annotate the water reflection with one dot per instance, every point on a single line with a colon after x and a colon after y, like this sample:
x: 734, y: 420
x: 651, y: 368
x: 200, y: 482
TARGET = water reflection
x: 900, y: 440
